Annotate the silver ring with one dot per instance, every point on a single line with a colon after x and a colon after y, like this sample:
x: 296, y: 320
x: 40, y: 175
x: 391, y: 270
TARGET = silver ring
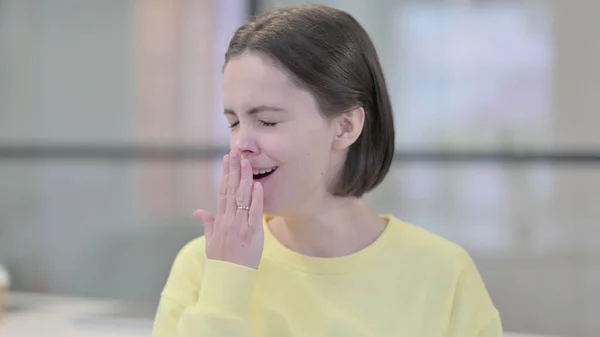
x: 244, y: 208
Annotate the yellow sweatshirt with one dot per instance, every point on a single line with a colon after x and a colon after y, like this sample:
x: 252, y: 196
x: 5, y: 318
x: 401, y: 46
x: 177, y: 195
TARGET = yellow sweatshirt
x: 408, y: 283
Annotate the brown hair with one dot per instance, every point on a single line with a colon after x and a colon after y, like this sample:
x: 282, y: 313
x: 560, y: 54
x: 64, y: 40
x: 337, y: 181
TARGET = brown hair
x: 326, y: 51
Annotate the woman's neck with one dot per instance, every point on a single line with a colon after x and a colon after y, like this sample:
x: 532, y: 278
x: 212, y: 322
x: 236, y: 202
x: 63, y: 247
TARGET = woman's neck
x: 338, y: 227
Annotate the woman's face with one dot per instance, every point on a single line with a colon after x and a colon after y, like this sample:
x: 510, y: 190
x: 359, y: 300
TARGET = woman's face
x: 278, y: 128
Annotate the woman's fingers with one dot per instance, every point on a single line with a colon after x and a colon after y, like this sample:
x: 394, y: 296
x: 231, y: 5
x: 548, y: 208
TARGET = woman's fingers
x: 222, y: 201
x: 255, y: 217
x: 244, y: 192
x: 233, y: 183
x: 235, y: 234
x: 208, y: 220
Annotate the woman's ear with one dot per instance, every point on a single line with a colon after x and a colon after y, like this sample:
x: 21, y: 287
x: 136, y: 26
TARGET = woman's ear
x: 349, y: 126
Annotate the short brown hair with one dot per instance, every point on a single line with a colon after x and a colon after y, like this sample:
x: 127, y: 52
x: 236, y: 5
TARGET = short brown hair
x: 326, y: 51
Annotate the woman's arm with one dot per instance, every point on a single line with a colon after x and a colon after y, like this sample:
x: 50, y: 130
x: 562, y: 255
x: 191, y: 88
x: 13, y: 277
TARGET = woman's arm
x: 205, y: 297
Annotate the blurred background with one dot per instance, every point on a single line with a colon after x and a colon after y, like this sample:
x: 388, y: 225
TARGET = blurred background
x: 111, y: 134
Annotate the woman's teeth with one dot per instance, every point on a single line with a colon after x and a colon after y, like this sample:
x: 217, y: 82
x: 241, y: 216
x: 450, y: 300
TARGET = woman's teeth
x: 258, y: 174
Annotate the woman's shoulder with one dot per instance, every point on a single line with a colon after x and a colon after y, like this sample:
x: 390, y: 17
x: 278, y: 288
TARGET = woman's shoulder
x: 186, y: 269
x: 194, y: 249
x: 414, y: 243
x: 191, y: 257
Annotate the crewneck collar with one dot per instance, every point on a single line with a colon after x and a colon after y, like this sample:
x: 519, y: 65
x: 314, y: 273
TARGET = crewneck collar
x: 280, y: 254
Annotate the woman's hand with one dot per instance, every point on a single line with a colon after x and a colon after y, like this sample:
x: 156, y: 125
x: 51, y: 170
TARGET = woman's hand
x: 236, y: 234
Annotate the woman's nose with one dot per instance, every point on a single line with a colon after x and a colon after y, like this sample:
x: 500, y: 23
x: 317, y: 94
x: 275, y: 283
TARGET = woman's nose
x: 244, y: 142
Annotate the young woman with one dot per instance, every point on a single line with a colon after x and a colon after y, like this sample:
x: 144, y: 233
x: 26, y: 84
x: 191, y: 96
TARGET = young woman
x: 294, y: 249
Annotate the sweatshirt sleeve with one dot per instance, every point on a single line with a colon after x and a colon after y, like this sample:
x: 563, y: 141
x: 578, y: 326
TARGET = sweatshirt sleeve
x: 473, y: 312
x: 205, y: 297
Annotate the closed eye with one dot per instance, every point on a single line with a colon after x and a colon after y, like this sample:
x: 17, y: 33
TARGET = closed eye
x: 263, y: 123
x: 267, y: 123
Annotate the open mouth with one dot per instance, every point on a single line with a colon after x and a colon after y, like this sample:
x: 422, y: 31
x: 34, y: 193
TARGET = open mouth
x: 261, y: 174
